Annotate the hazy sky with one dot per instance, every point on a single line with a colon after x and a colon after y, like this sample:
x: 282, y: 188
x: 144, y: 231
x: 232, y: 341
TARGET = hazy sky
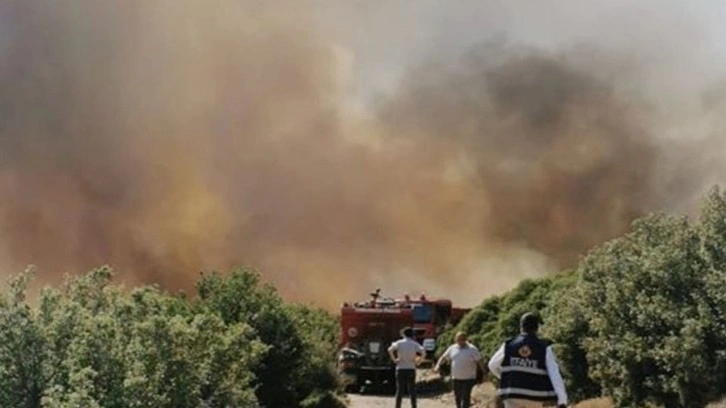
x: 388, y: 36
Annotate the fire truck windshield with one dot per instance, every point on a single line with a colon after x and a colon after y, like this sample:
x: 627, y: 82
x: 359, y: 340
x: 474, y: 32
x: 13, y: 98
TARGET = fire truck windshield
x: 423, y: 313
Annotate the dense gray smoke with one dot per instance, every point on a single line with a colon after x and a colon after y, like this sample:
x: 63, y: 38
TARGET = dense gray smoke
x: 168, y: 137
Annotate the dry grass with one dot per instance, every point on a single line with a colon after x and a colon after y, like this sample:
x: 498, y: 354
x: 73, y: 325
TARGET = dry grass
x: 484, y: 397
x: 606, y: 403
x: 596, y: 403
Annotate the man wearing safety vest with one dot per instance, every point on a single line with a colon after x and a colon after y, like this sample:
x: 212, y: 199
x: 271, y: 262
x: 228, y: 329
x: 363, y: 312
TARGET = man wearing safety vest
x: 528, y: 373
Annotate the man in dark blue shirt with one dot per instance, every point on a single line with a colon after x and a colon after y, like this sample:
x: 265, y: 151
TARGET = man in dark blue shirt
x: 527, y: 369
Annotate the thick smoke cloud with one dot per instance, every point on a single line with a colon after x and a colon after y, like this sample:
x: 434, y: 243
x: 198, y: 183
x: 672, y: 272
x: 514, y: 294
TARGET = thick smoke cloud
x: 562, y: 161
x: 168, y: 137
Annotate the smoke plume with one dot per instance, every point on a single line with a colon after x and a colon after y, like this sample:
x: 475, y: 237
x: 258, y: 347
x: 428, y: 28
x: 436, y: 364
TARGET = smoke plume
x: 168, y: 137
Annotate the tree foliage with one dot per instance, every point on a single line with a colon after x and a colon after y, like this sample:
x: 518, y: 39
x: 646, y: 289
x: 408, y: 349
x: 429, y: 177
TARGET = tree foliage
x: 643, y: 317
x: 92, y: 344
x: 497, y: 318
x: 298, y: 368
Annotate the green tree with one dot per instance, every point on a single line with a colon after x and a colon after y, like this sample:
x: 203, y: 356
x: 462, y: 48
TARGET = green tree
x: 497, y: 318
x: 296, y: 368
x: 22, y: 349
x: 91, y: 344
x: 651, y: 317
x: 568, y: 327
x: 642, y: 319
x: 712, y: 224
x: 317, y: 378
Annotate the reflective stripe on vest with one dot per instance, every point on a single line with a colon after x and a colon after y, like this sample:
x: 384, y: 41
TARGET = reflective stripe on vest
x: 528, y: 370
x: 529, y: 393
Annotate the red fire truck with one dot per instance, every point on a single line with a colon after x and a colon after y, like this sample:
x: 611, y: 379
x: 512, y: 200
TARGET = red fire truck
x: 368, y: 328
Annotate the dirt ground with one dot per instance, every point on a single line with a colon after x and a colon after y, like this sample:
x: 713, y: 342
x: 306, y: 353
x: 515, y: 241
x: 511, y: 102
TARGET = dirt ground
x: 446, y: 401
x: 433, y: 394
x: 481, y: 398
x: 373, y: 401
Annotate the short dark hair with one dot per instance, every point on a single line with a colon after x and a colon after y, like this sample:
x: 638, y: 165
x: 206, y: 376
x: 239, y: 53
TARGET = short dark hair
x: 407, y: 332
x: 529, y: 322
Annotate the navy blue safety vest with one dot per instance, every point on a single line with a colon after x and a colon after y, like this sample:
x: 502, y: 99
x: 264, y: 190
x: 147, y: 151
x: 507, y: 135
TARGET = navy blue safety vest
x: 524, y: 370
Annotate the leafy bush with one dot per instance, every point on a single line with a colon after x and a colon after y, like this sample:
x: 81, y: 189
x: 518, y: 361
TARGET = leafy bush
x: 300, y: 362
x: 655, y: 304
x: 316, y: 377
x: 497, y: 318
x: 89, y: 343
x: 641, y: 320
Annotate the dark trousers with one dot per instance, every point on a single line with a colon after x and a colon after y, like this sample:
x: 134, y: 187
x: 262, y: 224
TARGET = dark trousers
x: 462, y: 392
x: 405, y: 384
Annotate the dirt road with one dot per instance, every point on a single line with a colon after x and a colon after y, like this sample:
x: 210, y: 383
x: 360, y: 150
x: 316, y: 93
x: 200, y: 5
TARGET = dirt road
x: 374, y: 401
x: 482, y: 397
x: 482, y: 400
x: 432, y: 394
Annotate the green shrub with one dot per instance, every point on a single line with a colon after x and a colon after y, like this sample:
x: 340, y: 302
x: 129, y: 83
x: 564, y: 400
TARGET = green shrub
x: 497, y: 318
x: 642, y: 319
x: 300, y: 361
x: 92, y: 344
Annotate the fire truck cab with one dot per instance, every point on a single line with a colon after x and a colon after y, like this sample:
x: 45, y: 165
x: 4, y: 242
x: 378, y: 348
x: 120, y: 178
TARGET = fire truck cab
x: 429, y: 319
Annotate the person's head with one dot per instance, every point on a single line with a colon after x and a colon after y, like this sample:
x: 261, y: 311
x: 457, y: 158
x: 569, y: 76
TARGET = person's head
x: 461, y: 338
x: 407, y: 332
x: 529, y: 323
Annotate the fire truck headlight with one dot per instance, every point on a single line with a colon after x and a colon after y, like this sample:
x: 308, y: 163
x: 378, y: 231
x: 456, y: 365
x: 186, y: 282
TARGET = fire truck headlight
x: 353, y: 332
x: 429, y: 344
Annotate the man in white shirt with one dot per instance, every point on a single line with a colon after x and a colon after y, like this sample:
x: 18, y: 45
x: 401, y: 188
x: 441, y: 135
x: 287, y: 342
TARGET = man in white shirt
x: 406, y: 353
x: 528, y: 371
x: 464, y: 358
